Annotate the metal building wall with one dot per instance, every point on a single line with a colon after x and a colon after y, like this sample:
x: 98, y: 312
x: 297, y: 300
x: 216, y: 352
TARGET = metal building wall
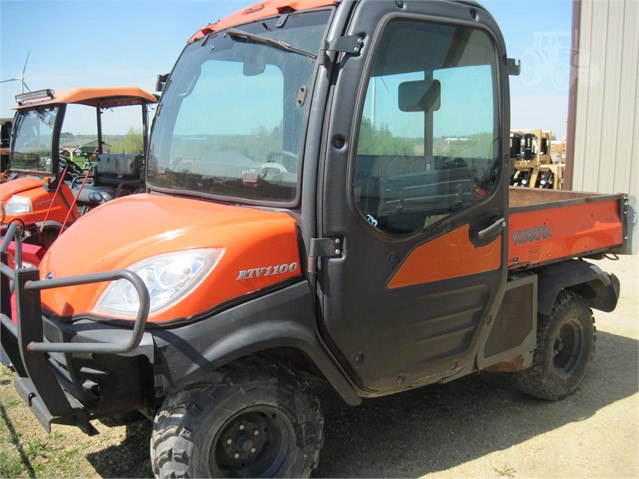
x: 604, y: 109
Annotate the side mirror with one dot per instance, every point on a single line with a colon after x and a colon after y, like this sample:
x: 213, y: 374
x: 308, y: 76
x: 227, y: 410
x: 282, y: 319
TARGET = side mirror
x: 421, y: 95
x: 160, y: 82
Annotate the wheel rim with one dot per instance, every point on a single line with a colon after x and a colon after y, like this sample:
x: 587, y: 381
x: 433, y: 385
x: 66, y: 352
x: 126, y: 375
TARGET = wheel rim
x: 254, y: 443
x: 568, y: 348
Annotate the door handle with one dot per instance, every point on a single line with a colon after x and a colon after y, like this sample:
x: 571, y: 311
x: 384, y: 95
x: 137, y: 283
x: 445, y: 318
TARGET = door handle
x: 492, y: 230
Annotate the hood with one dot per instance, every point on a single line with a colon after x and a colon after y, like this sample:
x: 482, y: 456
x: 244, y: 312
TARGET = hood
x: 19, y: 185
x: 260, y: 249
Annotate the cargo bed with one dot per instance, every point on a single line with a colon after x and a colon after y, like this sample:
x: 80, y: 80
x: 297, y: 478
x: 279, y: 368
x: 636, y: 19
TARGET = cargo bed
x: 547, y: 226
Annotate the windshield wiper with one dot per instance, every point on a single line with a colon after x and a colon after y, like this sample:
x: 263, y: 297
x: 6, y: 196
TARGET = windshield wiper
x: 251, y: 37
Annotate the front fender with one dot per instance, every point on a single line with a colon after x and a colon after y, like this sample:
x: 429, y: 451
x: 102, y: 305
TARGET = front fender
x: 279, y: 319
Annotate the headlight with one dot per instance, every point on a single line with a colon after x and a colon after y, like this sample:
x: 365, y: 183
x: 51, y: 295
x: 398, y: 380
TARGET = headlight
x: 17, y: 205
x: 168, y: 277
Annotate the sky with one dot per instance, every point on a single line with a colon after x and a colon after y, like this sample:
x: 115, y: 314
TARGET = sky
x: 114, y: 43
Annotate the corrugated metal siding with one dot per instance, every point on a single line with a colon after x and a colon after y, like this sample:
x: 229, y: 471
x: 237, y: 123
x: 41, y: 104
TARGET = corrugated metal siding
x: 606, y: 141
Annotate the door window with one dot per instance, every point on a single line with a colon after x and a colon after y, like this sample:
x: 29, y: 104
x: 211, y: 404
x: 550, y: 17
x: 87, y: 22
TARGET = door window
x: 428, y: 137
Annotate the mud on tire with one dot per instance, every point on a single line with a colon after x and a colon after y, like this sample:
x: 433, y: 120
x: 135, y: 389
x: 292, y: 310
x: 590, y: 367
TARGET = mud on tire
x: 565, y: 345
x: 258, y: 420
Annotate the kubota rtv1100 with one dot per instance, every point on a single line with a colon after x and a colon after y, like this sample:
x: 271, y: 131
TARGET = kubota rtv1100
x: 327, y: 197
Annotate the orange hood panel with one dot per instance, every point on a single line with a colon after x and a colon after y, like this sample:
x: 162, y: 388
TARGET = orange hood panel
x: 129, y: 229
x: 17, y: 186
x: 41, y: 199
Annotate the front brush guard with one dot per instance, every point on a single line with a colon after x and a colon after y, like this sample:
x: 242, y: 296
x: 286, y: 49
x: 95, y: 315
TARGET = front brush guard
x: 23, y: 340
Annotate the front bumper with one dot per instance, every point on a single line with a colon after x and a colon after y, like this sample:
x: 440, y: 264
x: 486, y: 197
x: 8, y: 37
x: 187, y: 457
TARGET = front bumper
x: 74, y: 388
x: 70, y: 373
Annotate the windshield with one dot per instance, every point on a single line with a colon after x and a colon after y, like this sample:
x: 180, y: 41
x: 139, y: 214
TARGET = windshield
x: 231, y: 121
x: 33, y: 140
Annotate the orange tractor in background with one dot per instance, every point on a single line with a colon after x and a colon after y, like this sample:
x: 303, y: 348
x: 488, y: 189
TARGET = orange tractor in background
x: 44, y: 189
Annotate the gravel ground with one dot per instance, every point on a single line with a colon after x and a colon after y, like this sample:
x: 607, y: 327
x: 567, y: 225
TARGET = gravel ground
x: 476, y: 427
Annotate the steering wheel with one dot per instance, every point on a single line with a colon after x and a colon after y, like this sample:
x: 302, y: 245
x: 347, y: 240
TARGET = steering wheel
x: 72, y: 166
x: 273, y: 166
x: 287, y: 159
x: 74, y: 171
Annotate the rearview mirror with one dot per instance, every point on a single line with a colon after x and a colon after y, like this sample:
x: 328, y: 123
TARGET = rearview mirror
x: 160, y: 82
x: 254, y: 66
x: 420, y: 95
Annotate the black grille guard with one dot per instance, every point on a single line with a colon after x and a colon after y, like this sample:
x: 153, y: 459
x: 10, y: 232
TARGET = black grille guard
x: 24, y: 340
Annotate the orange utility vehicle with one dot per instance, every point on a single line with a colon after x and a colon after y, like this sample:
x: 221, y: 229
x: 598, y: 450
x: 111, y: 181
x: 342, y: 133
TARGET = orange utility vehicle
x: 46, y: 189
x: 308, y: 217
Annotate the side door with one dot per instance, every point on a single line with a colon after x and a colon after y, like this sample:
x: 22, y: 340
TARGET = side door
x: 413, y: 186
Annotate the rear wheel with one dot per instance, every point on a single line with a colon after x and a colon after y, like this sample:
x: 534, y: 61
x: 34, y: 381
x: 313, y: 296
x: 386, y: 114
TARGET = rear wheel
x: 258, y: 420
x: 565, y: 345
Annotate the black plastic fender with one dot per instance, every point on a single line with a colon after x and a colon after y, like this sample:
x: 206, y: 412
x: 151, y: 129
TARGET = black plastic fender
x: 600, y: 289
x: 282, y: 319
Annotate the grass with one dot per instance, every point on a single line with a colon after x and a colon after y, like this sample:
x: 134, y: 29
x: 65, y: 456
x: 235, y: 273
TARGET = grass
x: 27, y: 451
x: 505, y: 471
x: 10, y: 466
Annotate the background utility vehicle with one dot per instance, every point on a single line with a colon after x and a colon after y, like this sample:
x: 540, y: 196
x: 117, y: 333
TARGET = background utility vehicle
x: 306, y: 218
x: 45, y: 186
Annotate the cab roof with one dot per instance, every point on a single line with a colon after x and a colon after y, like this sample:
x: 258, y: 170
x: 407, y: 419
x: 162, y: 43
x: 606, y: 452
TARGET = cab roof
x: 105, y: 97
x: 266, y: 9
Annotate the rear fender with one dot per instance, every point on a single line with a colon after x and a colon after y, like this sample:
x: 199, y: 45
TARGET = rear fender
x: 599, y: 288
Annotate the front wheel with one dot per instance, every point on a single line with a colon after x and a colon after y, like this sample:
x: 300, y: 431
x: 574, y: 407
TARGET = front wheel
x: 565, y: 345
x: 258, y: 420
